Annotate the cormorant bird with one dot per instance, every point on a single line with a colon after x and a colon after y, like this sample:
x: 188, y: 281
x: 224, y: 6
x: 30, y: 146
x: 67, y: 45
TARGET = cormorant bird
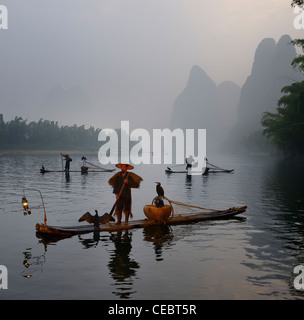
x: 159, y: 189
x: 96, y: 219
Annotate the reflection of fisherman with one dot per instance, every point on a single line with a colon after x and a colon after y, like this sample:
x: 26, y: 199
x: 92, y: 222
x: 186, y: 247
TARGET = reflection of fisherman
x: 67, y: 162
x: 189, y: 162
x: 121, y: 265
x: 125, y: 180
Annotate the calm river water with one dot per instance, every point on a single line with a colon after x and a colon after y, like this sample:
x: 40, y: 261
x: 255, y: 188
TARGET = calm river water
x: 251, y: 257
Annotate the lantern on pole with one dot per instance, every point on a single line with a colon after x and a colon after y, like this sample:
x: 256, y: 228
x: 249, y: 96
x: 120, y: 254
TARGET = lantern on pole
x: 25, y: 204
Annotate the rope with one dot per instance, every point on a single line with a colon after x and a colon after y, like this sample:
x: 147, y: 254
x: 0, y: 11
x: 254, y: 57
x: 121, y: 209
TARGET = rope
x: 178, y: 165
x: 87, y: 162
x: 216, y: 167
x: 181, y: 204
x: 189, y: 205
x: 172, y: 209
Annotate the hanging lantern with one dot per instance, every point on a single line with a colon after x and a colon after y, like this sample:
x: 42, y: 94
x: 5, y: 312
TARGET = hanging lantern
x: 25, y: 205
x: 28, y: 210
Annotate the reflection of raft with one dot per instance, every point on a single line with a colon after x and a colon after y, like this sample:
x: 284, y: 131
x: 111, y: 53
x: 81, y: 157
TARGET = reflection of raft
x: 176, y: 219
x: 157, y: 214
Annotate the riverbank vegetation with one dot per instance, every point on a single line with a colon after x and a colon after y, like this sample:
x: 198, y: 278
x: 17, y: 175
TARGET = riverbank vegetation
x: 19, y: 134
x: 285, y: 128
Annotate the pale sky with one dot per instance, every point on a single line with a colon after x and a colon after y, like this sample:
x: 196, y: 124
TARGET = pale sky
x: 97, y: 62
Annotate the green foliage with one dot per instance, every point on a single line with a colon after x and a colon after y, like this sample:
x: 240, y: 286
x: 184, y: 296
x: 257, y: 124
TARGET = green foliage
x: 299, y: 60
x: 46, y: 135
x: 286, y: 127
x: 297, y: 3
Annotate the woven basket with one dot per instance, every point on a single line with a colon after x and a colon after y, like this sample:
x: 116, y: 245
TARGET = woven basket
x: 158, y: 214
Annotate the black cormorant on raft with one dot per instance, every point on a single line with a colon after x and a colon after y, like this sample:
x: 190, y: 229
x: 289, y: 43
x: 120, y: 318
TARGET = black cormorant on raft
x: 159, y: 189
x: 159, y: 202
x: 96, y: 219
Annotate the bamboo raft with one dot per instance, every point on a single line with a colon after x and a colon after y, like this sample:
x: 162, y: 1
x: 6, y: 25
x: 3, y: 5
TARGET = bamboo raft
x: 210, y: 168
x: 204, y: 172
x: 46, y: 230
x: 86, y: 168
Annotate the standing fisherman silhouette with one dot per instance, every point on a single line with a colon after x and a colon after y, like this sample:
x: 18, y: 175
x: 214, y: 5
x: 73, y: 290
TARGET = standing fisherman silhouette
x: 122, y: 182
x: 67, y: 162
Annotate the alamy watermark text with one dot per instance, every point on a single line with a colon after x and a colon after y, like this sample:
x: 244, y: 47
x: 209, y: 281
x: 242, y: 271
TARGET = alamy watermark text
x: 298, y: 21
x: 3, y: 17
x: 3, y: 277
x: 159, y: 149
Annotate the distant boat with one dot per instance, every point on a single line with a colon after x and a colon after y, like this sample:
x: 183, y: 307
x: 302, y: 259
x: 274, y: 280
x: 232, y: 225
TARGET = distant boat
x: 209, y: 168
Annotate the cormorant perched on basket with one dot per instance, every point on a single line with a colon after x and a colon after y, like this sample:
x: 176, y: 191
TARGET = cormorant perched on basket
x: 158, y: 201
x: 159, y: 189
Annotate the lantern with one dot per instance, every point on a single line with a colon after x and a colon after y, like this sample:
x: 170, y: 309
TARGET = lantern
x: 25, y: 206
x: 24, y: 203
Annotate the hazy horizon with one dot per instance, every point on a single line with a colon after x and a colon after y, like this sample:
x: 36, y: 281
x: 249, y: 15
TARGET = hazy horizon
x: 99, y: 62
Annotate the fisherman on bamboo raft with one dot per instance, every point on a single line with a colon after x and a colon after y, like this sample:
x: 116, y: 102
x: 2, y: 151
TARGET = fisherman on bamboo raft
x: 189, y: 161
x: 67, y: 159
x: 122, y: 182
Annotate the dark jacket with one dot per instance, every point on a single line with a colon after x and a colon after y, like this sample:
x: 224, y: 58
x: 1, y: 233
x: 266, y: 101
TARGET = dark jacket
x: 117, y: 182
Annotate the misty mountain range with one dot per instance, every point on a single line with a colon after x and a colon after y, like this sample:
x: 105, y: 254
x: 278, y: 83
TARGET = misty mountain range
x: 229, y: 112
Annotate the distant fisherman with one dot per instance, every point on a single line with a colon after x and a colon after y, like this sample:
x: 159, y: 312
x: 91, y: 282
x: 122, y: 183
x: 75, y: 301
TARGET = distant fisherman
x: 189, y: 162
x: 122, y: 182
x: 67, y: 162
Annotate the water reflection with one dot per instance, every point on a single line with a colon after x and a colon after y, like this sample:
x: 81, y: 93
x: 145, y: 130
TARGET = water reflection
x: 93, y: 242
x: 33, y: 264
x: 50, y: 239
x: 122, y: 267
x: 278, y: 246
x: 159, y: 236
x: 188, y: 181
x: 67, y: 177
x: 286, y: 186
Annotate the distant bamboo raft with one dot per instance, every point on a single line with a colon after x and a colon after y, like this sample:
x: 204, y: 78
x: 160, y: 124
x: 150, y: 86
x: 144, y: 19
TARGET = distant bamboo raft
x: 210, y: 168
x: 83, y: 169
